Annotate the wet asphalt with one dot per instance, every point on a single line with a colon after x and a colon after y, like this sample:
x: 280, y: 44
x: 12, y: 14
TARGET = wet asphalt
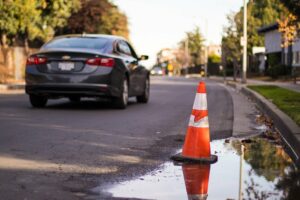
x: 65, y: 149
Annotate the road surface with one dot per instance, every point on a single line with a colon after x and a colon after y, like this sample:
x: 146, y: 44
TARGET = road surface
x: 61, y: 151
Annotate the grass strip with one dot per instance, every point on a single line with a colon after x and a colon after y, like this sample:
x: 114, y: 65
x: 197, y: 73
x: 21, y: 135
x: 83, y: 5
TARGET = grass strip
x: 286, y: 100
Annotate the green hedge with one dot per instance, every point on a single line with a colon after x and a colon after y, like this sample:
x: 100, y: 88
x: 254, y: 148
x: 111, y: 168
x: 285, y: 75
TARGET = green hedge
x: 279, y: 70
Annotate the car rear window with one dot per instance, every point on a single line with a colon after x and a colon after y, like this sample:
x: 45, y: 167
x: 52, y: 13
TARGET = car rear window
x: 77, y: 42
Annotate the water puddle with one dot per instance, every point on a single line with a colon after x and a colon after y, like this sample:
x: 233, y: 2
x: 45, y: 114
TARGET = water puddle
x: 256, y: 168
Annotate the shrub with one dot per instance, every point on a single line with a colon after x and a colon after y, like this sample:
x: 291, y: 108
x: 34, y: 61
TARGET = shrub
x: 278, y: 70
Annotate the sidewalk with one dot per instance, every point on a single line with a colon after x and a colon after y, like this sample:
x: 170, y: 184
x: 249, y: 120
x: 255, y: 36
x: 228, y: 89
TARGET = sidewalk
x: 287, y: 85
x: 289, y: 130
x: 12, y: 88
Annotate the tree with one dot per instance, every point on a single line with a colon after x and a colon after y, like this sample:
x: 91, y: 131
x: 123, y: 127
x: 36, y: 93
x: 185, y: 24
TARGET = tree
x: 17, y: 17
x: 8, y: 25
x: 114, y: 22
x: 260, y: 13
x: 22, y: 21
x: 231, y: 48
x: 195, y: 45
x: 29, y: 21
x: 55, y: 15
x: 293, y: 6
x: 288, y: 26
x: 98, y: 17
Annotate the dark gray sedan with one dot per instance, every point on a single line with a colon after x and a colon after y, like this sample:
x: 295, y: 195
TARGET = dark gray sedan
x: 76, y: 66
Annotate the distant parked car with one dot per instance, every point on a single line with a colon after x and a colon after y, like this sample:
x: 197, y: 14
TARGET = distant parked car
x: 157, y: 71
x: 76, y: 66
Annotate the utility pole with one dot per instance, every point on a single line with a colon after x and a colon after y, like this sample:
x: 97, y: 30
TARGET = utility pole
x: 245, y: 42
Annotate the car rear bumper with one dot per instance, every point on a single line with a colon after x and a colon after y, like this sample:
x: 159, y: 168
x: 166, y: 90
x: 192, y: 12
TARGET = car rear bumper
x: 71, y: 89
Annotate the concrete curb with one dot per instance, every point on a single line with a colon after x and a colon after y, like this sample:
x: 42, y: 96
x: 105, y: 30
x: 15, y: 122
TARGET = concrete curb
x: 8, y: 87
x: 289, y: 130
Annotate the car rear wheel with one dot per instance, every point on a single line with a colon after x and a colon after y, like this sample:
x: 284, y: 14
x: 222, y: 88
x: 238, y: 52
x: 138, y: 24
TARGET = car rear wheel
x: 145, y: 96
x: 122, y: 101
x: 38, y: 101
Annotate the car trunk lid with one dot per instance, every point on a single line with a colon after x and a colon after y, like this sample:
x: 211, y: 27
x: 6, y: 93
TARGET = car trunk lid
x: 67, y: 61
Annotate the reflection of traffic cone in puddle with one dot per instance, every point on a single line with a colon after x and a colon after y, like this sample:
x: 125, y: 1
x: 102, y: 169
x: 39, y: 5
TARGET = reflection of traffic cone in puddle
x: 197, y: 140
x: 196, y: 178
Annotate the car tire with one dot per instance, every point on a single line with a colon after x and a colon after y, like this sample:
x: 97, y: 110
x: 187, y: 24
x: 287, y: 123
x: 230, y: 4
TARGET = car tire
x: 122, y: 101
x: 144, y: 98
x: 74, y: 99
x: 38, y: 101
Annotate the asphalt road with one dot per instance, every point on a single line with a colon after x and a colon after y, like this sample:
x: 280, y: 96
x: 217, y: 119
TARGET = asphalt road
x: 63, y: 150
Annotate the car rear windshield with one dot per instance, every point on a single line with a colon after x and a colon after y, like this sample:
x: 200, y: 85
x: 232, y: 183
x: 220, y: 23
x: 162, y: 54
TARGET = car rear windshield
x: 77, y: 42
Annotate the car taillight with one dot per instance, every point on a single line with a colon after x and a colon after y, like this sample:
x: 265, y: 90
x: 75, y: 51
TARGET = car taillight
x: 105, y: 62
x: 34, y: 60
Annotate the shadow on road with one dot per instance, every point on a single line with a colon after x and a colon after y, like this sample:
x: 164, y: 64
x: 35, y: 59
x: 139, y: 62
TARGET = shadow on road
x: 86, y: 104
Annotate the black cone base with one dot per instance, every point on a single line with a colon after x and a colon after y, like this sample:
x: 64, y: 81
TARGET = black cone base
x: 184, y: 159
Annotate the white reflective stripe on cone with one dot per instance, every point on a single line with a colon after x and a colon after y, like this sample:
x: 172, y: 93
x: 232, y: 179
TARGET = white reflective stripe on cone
x: 202, y: 123
x: 200, y: 102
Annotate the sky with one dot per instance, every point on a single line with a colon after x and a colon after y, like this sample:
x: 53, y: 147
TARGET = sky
x: 158, y: 24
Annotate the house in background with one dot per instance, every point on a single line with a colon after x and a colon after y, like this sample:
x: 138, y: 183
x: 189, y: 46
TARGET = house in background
x: 275, y: 54
x: 214, y: 49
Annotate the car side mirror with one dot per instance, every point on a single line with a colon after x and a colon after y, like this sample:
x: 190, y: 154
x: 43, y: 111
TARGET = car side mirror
x: 144, y: 57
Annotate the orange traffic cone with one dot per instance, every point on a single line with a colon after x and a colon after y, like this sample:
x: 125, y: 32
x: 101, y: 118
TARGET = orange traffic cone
x: 197, y: 141
x: 196, y: 178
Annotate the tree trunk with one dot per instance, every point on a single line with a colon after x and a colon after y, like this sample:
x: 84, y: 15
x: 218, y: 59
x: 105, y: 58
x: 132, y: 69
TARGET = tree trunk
x: 234, y: 70
x: 4, y: 48
x: 7, y: 60
x: 26, y: 46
